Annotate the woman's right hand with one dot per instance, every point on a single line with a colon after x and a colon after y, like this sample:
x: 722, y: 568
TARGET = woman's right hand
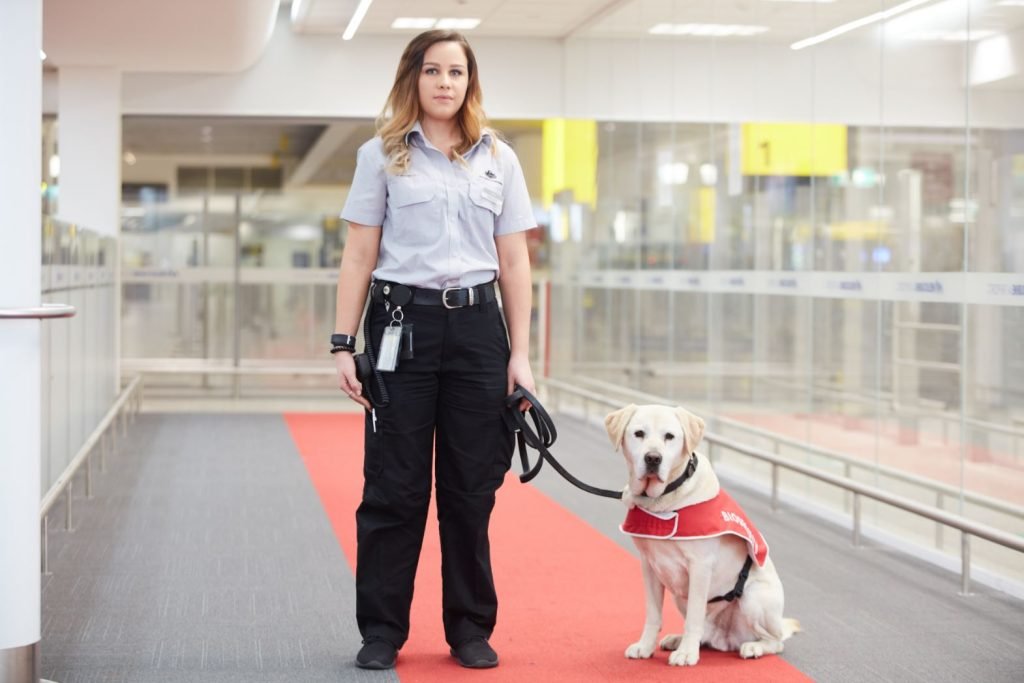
x: 347, y: 379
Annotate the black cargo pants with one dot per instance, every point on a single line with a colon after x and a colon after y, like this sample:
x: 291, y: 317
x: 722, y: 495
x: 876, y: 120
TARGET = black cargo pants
x: 448, y: 398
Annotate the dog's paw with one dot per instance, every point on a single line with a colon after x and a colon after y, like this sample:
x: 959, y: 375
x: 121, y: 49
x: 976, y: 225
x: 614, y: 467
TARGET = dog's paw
x: 640, y: 650
x: 758, y: 648
x: 671, y: 641
x: 685, y: 655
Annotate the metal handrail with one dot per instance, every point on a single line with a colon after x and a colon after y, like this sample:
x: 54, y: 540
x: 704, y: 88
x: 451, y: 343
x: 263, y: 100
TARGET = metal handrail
x: 44, y: 311
x: 936, y: 487
x: 967, y: 527
x: 63, y: 483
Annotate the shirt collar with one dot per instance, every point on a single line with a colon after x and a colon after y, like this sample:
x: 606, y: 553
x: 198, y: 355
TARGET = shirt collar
x: 417, y: 130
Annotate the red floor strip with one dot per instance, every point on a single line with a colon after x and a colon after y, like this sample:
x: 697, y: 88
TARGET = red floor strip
x: 571, y: 600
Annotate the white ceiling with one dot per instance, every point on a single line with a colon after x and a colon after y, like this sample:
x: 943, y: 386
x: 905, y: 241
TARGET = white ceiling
x: 199, y: 36
x: 786, y: 21
x: 229, y: 35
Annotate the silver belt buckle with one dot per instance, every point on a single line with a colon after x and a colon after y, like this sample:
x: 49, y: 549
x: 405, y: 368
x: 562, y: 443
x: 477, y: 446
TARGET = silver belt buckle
x: 444, y: 297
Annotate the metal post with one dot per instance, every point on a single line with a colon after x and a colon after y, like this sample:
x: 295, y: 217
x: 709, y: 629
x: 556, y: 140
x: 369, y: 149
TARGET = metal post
x: 88, y: 476
x: 965, y: 563
x: 112, y: 429
x: 103, y: 452
x: 938, y: 525
x: 67, y: 508
x: 856, y: 520
x: 46, y: 545
x: 847, y: 470
x: 775, y: 487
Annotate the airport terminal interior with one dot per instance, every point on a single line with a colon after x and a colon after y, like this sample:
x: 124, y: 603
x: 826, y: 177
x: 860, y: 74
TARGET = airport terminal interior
x: 801, y: 220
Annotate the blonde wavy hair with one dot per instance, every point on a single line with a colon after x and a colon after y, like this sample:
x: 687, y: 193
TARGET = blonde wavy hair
x: 402, y: 109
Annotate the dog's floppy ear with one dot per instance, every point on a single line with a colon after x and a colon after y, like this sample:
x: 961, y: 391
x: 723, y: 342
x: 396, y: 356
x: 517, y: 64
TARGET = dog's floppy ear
x: 616, y: 423
x: 693, y: 426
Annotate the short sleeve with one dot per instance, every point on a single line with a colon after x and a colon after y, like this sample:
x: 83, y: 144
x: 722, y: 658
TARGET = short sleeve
x: 517, y: 212
x: 367, y: 197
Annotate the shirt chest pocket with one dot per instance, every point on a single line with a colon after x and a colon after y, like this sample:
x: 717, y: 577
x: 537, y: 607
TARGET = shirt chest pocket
x: 487, y: 193
x: 415, y: 211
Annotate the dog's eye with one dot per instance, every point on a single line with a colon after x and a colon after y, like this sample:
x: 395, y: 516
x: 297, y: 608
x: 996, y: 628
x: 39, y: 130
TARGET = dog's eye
x: 669, y: 436
x: 639, y: 433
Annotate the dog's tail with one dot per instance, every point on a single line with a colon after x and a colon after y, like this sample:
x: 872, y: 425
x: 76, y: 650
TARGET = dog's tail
x: 789, y: 627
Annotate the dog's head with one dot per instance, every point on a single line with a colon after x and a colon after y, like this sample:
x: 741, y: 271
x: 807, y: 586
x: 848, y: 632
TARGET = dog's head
x: 657, y: 442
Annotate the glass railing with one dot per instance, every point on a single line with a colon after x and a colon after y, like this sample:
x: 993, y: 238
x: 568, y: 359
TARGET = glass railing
x: 79, y: 354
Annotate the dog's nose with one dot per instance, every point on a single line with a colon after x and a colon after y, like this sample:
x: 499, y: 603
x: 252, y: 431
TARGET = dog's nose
x: 652, y: 460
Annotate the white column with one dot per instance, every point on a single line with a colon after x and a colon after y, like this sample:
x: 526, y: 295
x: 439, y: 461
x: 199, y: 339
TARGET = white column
x: 89, y: 146
x: 21, y: 31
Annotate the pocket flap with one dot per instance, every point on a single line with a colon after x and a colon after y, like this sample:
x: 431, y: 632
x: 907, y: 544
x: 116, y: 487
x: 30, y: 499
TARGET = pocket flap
x: 487, y: 194
x: 408, y: 190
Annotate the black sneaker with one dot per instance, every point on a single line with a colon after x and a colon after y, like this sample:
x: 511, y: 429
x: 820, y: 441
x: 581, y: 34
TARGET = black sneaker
x: 475, y: 653
x: 376, y: 654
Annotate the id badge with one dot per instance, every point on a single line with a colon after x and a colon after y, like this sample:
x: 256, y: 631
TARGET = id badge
x: 390, y: 343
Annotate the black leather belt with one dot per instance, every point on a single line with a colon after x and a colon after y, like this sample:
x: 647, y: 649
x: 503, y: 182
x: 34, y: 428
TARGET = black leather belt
x: 452, y: 297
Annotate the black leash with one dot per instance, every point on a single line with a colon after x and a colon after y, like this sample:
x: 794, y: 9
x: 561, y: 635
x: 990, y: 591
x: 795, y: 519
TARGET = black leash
x: 543, y: 436
x: 540, y: 438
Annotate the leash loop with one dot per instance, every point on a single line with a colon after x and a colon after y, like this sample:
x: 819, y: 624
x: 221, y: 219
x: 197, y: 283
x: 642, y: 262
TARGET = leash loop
x: 541, y: 437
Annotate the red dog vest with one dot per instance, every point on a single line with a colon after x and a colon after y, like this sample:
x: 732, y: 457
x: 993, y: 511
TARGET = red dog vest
x: 716, y: 517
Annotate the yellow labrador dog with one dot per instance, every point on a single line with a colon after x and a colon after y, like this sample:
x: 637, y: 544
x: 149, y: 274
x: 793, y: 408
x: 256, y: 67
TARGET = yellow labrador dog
x: 695, y: 541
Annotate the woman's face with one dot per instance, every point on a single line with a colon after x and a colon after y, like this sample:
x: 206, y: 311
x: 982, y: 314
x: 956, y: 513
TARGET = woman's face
x: 444, y: 77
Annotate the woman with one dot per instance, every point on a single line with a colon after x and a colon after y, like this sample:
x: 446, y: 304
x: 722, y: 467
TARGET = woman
x: 437, y: 212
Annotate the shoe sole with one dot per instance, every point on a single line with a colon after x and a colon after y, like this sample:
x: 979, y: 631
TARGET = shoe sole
x: 475, y: 665
x: 375, y: 665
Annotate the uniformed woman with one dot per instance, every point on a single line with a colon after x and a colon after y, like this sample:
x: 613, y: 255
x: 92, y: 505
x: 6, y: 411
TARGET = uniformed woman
x: 437, y: 213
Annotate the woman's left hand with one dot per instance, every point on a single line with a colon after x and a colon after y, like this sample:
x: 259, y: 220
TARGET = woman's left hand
x: 519, y: 372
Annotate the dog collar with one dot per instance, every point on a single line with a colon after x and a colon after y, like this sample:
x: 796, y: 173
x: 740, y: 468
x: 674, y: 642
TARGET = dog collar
x: 691, y: 467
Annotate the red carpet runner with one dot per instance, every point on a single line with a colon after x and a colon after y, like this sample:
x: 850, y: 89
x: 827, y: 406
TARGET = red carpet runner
x: 570, y: 599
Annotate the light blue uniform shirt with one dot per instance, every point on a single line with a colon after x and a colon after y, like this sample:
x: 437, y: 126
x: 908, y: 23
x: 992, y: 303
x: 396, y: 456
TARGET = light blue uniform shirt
x: 439, y: 219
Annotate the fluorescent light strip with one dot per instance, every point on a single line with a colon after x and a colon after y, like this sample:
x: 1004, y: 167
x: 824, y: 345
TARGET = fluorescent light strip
x: 1011, y: 3
x: 357, y: 18
x: 713, y: 30
x: 853, y: 25
x: 413, y: 22
x: 457, y: 23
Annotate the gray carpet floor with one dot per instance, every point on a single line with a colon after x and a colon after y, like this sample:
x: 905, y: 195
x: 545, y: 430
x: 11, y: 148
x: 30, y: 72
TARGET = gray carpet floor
x: 205, y: 556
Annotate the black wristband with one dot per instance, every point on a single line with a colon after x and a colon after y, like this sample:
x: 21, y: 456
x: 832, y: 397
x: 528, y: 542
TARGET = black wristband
x: 346, y: 341
x: 338, y: 349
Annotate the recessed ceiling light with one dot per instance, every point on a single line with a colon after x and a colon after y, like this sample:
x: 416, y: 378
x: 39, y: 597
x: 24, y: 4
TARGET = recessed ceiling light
x: 414, y: 22
x: 709, y: 30
x: 458, y: 23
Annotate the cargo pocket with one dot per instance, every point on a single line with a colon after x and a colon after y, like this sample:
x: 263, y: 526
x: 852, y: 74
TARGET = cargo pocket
x: 373, y: 454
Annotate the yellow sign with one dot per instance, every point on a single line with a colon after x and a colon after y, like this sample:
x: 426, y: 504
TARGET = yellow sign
x: 858, y: 230
x: 702, y: 216
x: 570, y: 160
x: 794, y: 149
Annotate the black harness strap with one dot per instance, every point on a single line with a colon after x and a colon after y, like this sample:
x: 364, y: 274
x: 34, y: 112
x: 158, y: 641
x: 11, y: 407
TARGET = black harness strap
x: 737, y: 592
